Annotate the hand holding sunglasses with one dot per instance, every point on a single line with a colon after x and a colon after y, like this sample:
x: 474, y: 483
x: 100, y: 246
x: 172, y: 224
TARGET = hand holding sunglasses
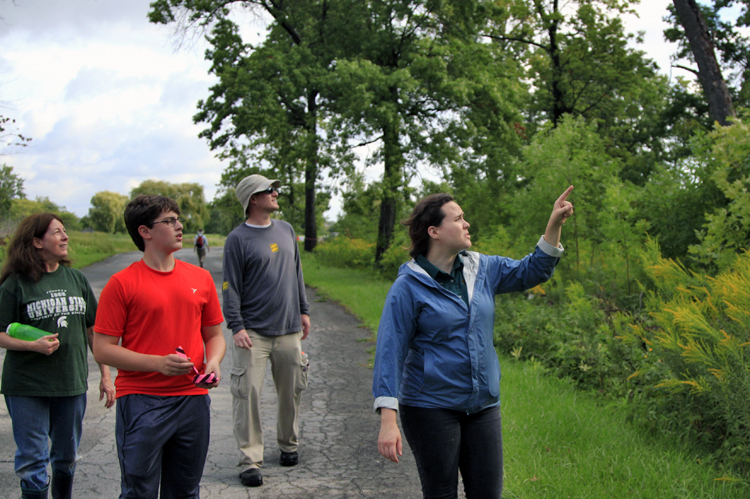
x: 198, y: 379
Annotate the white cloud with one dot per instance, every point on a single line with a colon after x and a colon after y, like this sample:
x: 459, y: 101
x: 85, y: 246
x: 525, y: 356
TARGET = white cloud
x: 106, y: 99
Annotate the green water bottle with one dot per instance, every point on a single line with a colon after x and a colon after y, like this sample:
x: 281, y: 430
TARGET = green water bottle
x: 25, y: 332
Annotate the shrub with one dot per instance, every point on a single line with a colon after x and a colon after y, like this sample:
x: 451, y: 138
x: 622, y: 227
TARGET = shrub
x: 573, y: 338
x: 696, y: 379
x: 727, y: 229
x: 345, y: 252
x: 396, y: 254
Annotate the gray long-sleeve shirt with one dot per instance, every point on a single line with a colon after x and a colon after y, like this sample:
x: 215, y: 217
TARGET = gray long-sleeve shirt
x: 263, y: 285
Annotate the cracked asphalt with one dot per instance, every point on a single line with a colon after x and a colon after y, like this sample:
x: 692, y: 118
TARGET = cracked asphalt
x: 338, y: 443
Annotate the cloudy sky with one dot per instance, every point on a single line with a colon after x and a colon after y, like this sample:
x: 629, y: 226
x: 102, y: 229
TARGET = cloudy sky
x: 108, y: 99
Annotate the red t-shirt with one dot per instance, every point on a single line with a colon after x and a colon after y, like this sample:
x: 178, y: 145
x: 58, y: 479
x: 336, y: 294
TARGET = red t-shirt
x: 155, y: 312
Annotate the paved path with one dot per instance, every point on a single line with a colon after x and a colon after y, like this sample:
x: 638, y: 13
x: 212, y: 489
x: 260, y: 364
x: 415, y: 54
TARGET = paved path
x: 338, y: 451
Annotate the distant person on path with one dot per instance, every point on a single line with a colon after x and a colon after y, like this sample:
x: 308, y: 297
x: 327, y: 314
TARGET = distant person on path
x: 200, y: 244
x: 266, y: 308
x: 146, y: 312
x: 435, y: 362
x: 45, y: 381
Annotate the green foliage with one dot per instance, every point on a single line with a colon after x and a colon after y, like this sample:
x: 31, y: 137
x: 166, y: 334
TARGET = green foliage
x: 560, y: 443
x: 361, y: 208
x: 674, y: 202
x: 270, y: 104
x: 189, y: 197
x: 225, y: 213
x: 86, y: 248
x: 11, y: 187
x: 361, y: 291
x: 573, y: 338
x: 695, y: 374
x: 396, y: 254
x: 571, y: 154
x: 727, y: 228
x: 345, y: 252
x: 106, y: 212
x: 498, y: 243
x: 580, y: 62
x: 20, y: 208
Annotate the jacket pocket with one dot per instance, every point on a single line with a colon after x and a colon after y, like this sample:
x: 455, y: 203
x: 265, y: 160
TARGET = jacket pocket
x: 238, y: 382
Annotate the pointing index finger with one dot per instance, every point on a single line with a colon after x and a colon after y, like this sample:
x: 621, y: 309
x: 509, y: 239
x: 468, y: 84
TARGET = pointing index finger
x: 564, y: 195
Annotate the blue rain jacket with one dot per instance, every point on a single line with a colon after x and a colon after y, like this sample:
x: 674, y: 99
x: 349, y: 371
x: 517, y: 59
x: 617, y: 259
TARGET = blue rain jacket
x: 433, y: 350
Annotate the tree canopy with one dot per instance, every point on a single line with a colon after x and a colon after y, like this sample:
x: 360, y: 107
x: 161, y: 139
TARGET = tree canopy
x: 189, y: 197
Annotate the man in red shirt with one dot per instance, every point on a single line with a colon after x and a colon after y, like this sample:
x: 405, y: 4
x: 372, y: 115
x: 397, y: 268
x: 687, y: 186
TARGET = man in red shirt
x: 146, y: 312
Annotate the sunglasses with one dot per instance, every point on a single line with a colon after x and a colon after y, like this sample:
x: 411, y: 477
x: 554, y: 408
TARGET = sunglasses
x: 205, y: 379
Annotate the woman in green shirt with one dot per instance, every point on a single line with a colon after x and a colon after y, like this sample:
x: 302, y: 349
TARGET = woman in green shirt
x: 45, y: 381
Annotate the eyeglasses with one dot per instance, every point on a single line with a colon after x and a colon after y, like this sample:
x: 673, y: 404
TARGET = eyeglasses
x: 171, y: 221
x: 270, y: 190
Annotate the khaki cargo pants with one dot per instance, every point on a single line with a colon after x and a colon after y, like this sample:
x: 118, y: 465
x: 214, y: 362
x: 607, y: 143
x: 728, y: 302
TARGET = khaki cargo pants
x: 246, y: 383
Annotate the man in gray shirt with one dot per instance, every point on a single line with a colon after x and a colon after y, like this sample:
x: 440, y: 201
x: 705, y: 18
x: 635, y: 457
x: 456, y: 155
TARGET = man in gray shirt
x: 266, y: 308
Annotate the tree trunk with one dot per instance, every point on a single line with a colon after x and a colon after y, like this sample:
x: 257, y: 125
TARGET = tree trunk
x: 558, y: 105
x: 393, y: 160
x: 709, y: 73
x: 385, y: 225
x: 311, y: 224
x: 311, y: 173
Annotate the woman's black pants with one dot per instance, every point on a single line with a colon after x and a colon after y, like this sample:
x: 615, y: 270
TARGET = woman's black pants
x: 445, y: 441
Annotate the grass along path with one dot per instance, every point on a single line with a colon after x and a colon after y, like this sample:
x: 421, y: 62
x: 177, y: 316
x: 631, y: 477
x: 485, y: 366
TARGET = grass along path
x: 86, y: 248
x: 361, y: 292
x: 559, y: 442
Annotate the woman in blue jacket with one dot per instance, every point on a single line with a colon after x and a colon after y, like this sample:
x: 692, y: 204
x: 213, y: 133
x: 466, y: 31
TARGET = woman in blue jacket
x: 436, y: 362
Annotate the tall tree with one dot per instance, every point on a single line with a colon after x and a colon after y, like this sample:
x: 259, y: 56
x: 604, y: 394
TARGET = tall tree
x: 402, y: 90
x: 269, y: 101
x: 709, y: 74
x: 11, y: 187
x: 576, y: 51
x: 106, y: 212
x: 578, y: 60
x: 189, y: 197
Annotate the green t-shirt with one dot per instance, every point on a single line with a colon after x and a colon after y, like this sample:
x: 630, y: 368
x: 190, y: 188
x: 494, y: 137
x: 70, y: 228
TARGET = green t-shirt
x: 61, y: 302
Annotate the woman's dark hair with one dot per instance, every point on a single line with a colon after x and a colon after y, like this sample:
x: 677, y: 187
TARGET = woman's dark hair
x: 143, y: 210
x: 23, y: 258
x: 428, y: 212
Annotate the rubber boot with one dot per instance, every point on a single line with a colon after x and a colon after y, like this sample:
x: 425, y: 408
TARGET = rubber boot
x: 34, y: 494
x: 62, y: 486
